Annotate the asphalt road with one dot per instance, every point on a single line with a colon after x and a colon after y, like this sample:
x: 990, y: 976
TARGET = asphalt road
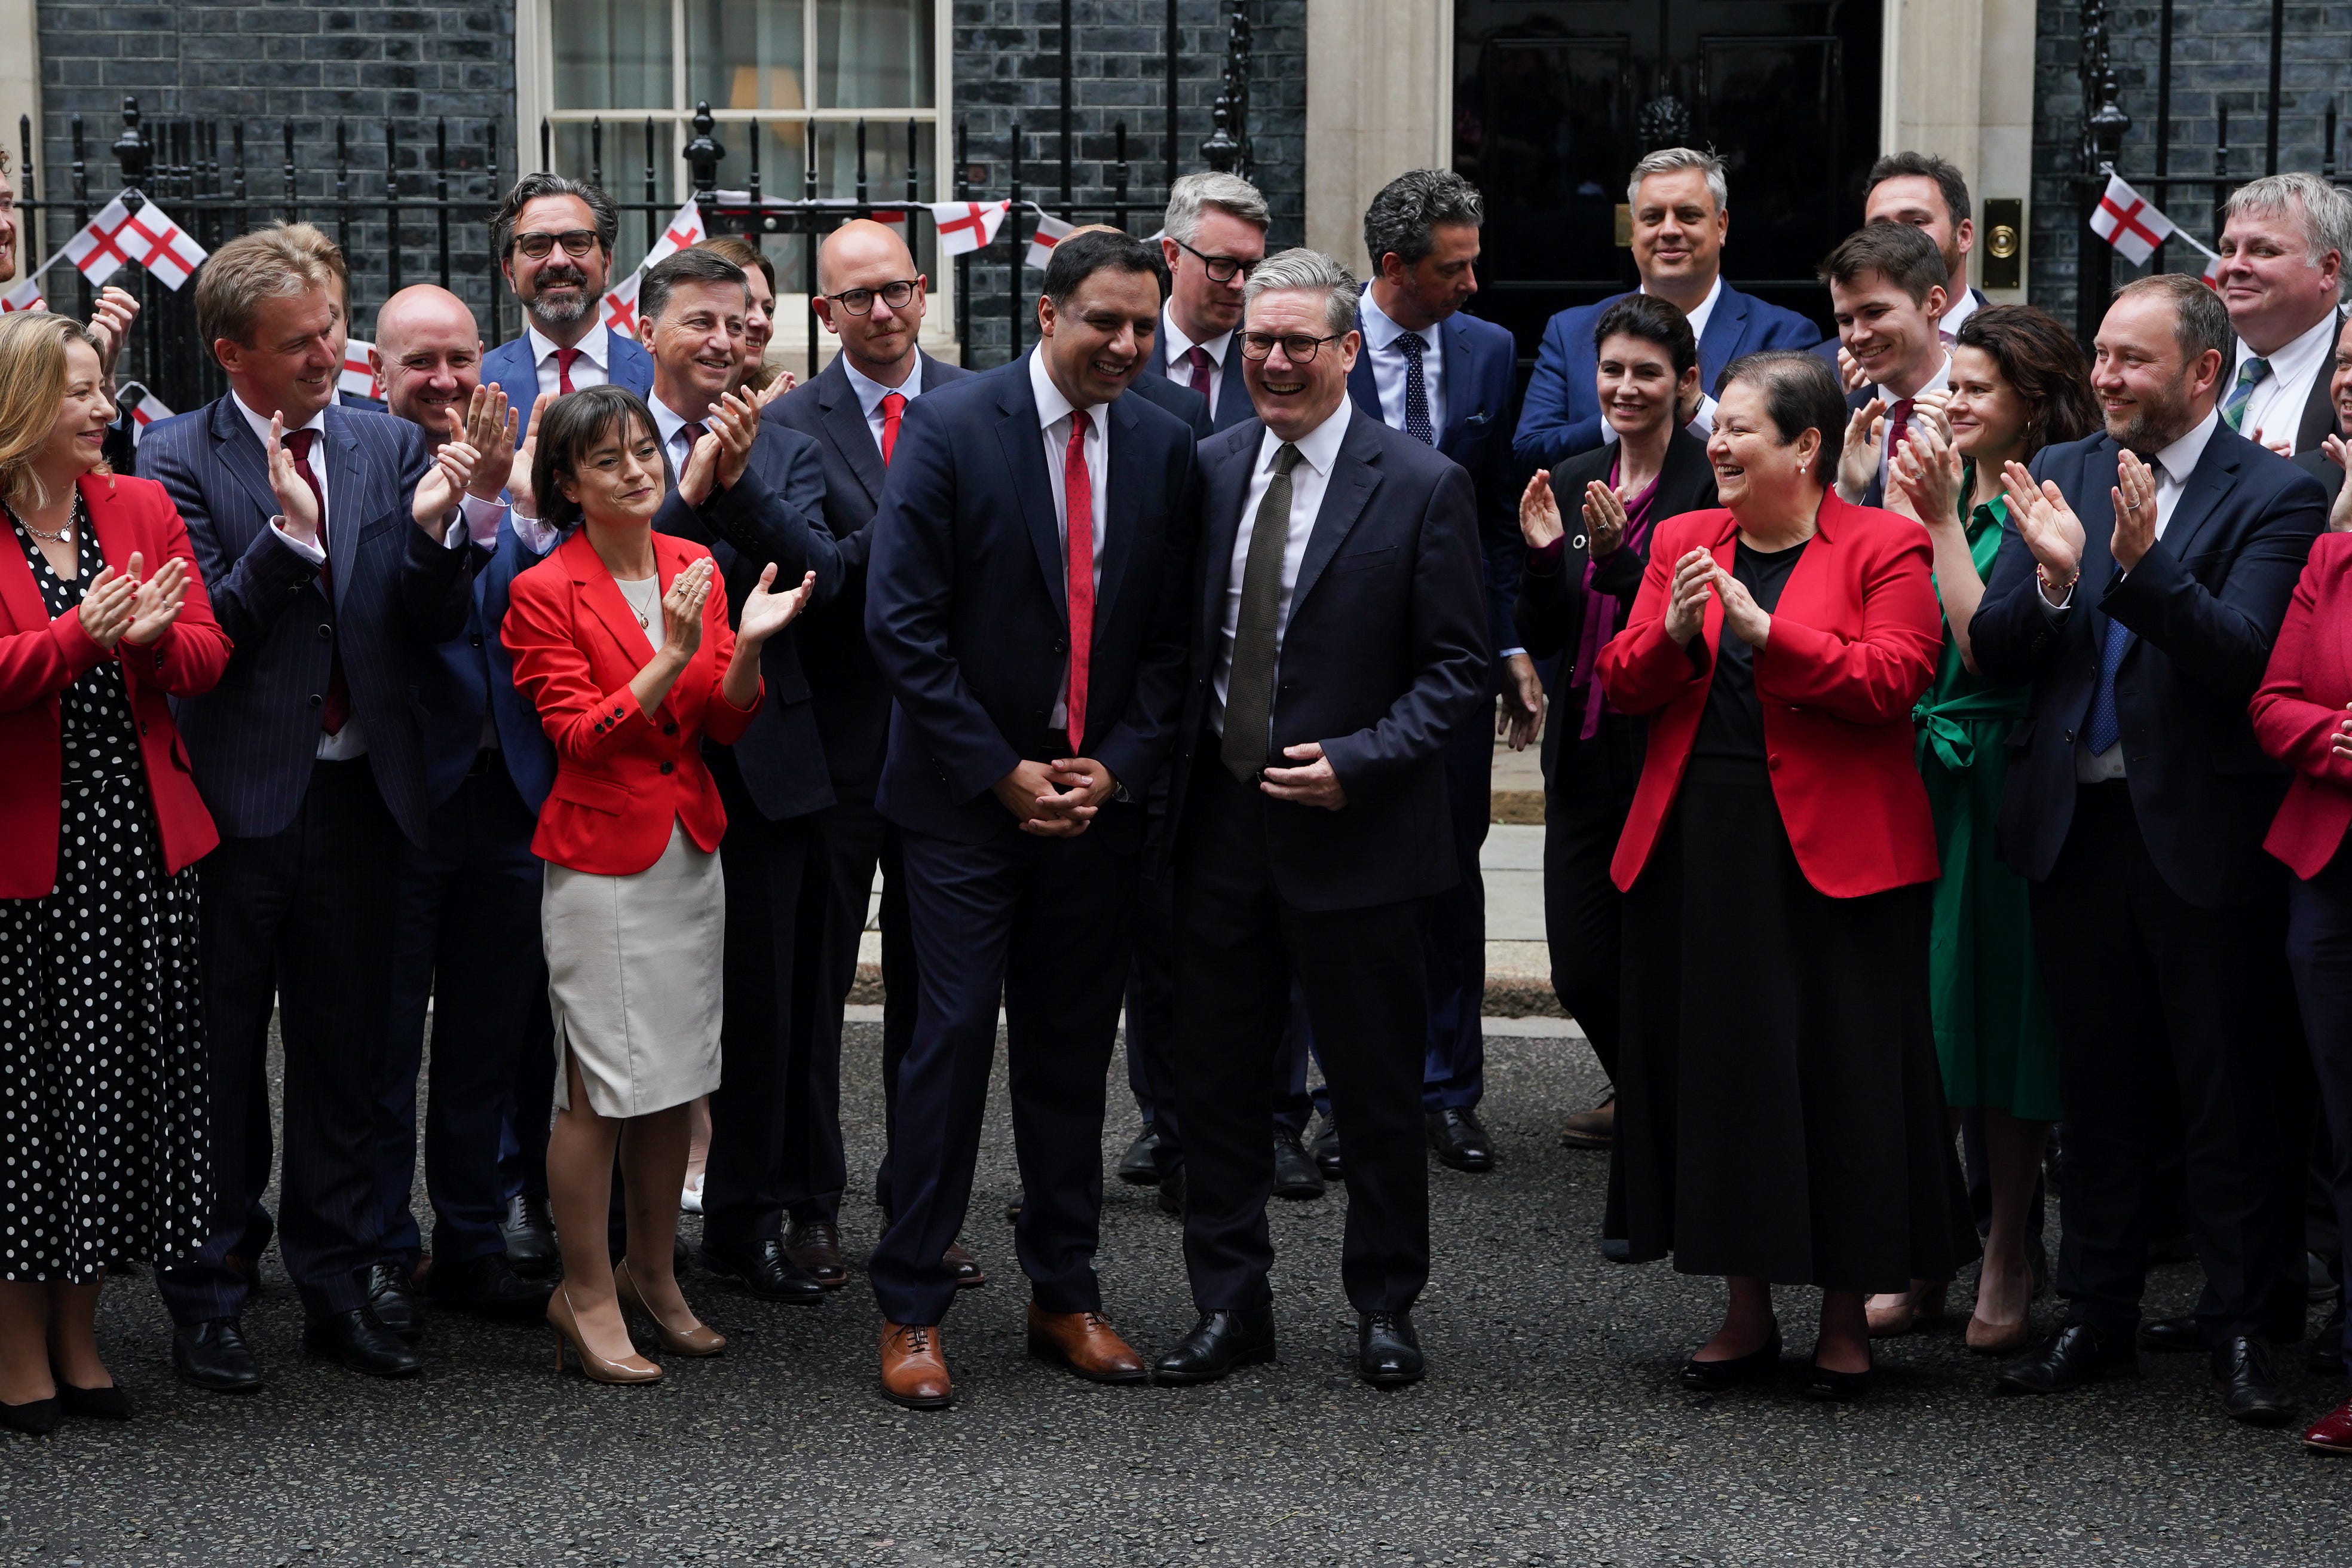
x: 1551, y: 1430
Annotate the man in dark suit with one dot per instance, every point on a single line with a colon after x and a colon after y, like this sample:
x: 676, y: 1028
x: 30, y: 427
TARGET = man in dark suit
x: 466, y: 933
x: 2137, y: 803
x: 873, y: 299
x: 1681, y: 215
x: 1025, y: 602
x: 1886, y: 283
x: 1929, y: 194
x: 2283, y: 239
x: 756, y: 498
x: 1213, y: 234
x: 2318, y: 462
x: 330, y: 559
x: 554, y: 238
x: 1338, y: 642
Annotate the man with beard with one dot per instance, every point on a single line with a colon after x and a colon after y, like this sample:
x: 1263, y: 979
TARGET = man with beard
x: 2147, y: 573
x: 553, y: 237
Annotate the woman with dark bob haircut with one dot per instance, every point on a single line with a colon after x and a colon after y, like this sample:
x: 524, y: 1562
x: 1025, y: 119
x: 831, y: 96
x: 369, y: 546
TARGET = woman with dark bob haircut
x: 1780, y: 1118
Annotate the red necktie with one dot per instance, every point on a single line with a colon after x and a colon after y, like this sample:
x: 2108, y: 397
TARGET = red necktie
x: 563, y: 358
x: 1079, y: 531
x: 1203, y: 368
x: 1898, y: 428
x: 894, y: 408
x: 336, y: 709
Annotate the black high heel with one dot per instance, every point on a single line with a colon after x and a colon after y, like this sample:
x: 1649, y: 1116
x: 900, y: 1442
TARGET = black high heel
x: 1713, y: 1376
x: 1837, y: 1387
x: 107, y: 1404
x: 38, y: 1416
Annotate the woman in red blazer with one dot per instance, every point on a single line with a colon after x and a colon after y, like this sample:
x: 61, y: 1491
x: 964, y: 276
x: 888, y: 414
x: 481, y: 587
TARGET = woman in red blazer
x: 103, y: 1125
x: 1781, y: 1116
x: 632, y: 908
x: 2303, y: 717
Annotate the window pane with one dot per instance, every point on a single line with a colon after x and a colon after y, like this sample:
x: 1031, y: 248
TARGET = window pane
x: 612, y: 54
x: 744, y: 54
x: 885, y: 170
x: 874, y: 54
x: 622, y: 171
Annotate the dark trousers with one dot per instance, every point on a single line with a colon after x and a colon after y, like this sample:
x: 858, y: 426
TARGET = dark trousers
x: 1240, y: 945
x: 466, y: 936
x: 2172, y: 1017
x: 901, y: 986
x: 2319, y: 951
x: 304, y: 918
x: 1453, y: 933
x: 530, y: 1104
x: 1046, y: 924
x: 1590, y: 793
x: 849, y: 836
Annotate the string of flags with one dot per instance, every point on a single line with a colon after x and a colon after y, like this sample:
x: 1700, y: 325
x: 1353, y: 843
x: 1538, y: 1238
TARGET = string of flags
x: 143, y: 406
x: 116, y: 236
x: 357, y: 378
x: 2131, y: 223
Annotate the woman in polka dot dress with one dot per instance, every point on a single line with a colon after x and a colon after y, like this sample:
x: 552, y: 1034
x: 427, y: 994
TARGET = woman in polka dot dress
x: 103, y: 1155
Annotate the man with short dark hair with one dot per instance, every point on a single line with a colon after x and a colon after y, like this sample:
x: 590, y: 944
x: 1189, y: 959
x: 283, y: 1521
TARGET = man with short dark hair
x: 1929, y: 194
x: 1886, y: 283
x: 2284, y: 241
x: 553, y: 239
x: 2145, y: 575
x: 1026, y: 599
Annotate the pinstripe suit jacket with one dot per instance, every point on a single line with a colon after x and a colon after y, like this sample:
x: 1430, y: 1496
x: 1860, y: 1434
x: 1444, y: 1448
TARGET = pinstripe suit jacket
x: 253, y: 738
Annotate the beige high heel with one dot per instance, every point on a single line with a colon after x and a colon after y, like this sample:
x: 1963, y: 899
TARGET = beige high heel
x: 1899, y: 1314
x: 699, y: 1339
x: 635, y: 1368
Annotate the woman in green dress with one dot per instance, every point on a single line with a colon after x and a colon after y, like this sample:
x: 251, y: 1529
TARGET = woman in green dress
x: 2018, y: 384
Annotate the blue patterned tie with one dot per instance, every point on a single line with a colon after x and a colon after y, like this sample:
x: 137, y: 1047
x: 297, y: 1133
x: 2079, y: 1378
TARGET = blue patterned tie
x: 1416, y: 390
x: 2103, y: 729
x: 2250, y: 376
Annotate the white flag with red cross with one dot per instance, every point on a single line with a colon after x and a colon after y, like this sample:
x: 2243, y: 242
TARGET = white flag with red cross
x: 2130, y: 222
x: 685, y: 228
x: 145, y: 408
x: 148, y: 236
x: 357, y: 378
x: 1049, y: 234
x: 620, y: 307
x: 25, y: 296
x: 967, y: 226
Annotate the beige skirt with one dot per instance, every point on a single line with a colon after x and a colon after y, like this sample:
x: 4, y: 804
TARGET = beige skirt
x: 632, y: 979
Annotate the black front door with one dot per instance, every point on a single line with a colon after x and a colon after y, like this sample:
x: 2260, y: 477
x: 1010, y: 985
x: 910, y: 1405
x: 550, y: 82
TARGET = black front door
x: 1554, y: 100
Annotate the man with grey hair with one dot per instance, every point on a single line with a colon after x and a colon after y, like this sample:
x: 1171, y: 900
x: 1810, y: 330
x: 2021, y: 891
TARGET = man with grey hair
x: 1213, y: 234
x: 2283, y: 239
x: 1339, y: 645
x: 1681, y: 217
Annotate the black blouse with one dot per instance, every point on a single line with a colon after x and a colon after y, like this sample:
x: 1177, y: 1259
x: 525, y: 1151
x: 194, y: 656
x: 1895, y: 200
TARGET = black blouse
x: 1732, y: 728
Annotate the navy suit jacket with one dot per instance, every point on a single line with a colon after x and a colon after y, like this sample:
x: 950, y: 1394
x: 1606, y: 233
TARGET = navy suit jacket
x: 509, y: 366
x: 1383, y: 658
x: 1233, y: 396
x: 851, y: 701
x: 1481, y: 362
x: 2201, y: 609
x: 1181, y: 401
x: 252, y: 739
x: 1561, y: 415
x: 967, y: 604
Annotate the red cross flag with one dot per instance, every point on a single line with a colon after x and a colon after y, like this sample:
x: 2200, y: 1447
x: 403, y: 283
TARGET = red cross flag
x: 1049, y: 234
x: 620, y: 307
x: 147, y: 236
x: 2126, y: 220
x: 685, y: 228
x: 145, y: 409
x: 357, y: 378
x: 25, y: 296
x: 967, y: 226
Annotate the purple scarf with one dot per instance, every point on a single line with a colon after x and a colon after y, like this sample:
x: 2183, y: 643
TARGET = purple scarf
x: 1601, y: 610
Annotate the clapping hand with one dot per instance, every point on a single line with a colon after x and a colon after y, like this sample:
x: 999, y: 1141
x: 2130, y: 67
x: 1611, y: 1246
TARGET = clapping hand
x: 518, y: 490
x: 1851, y: 375
x: 1742, y: 616
x: 1539, y: 522
x: 2135, y: 501
x: 1858, y: 462
x: 298, y: 507
x: 2339, y: 516
x: 1604, y: 519
x: 1927, y: 474
x: 109, y: 323
x: 2340, y: 743
x: 106, y: 608
x: 2049, y: 527
x: 487, y: 425
x: 157, y: 603
x: 1686, y: 595
x: 719, y: 457
x: 784, y: 382
x: 765, y: 613
x: 438, y: 492
x: 682, y: 610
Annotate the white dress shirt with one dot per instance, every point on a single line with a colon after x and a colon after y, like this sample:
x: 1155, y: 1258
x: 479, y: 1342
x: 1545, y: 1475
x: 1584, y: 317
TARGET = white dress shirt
x: 1175, y: 345
x: 2275, y: 409
x: 1702, y: 424
x: 1053, y: 412
x: 1318, y: 449
x: 870, y: 393
x: 1381, y: 336
x: 1962, y: 307
x: 1939, y: 381
x: 592, y: 368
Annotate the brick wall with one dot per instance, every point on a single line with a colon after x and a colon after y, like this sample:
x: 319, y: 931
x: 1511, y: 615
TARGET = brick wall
x: 2220, y: 58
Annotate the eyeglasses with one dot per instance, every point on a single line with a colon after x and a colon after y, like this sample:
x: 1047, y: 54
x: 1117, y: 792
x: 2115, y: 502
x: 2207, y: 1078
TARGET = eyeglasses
x: 1298, y: 349
x: 860, y: 302
x: 575, y: 242
x: 1220, y: 269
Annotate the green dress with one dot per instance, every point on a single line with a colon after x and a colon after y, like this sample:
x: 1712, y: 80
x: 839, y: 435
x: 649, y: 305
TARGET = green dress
x: 1993, y: 1033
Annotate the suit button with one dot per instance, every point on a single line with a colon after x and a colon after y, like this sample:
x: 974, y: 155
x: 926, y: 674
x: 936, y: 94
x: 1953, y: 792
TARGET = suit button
x: 669, y: 767
x: 326, y: 633
x: 142, y: 726
x: 2069, y: 737
x: 670, y: 728
x: 478, y: 642
x: 317, y: 701
x: 1060, y: 646
x: 1773, y: 764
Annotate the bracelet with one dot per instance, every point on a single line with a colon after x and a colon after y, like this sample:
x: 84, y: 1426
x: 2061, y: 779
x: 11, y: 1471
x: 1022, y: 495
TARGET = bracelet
x: 2060, y: 589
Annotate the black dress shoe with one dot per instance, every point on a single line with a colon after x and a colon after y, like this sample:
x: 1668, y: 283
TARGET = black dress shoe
x: 2076, y: 1354
x: 765, y: 1271
x: 359, y: 1340
x: 38, y: 1416
x: 529, y: 1235
x: 1172, y: 1193
x: 2318, y: 1278
x: 213, y: 1356
x: 1388, y: 1353
x: 2171, y: 1336
x: 1139, y: 1167
x: 1219, y: 1343
x: 1459, y: 1141
x: 488, y: 1287
x: 1012, y: 1206
x: 2250, y: 1390
x: 1714, y: 1376
x: 392, y: 1296
x: 1295, y: 1176
x: 110, y: 1402
x: 1323, y: 1142
x: 1835, y: 1388
x: 2326, y: 1354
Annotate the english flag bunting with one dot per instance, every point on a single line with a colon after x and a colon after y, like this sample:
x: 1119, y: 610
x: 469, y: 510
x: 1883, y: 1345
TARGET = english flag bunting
x: 358, y: 377
x: 145, y: 409
x: 620, y: 306
x: 25, y: 296
x: 148, y: 236
x: 967, y: 226
x: 1049, y: 234
x: 2130, y: 222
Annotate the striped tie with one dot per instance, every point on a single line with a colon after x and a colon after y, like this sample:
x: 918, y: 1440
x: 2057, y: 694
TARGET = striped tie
x: 2251, y: 374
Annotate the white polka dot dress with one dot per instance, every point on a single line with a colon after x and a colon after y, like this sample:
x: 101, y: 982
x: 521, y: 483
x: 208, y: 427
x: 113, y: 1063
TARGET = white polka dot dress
x: 102, y: 1120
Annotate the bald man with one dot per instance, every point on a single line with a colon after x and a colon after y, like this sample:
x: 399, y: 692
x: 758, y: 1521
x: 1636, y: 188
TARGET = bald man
x: 466, y: 932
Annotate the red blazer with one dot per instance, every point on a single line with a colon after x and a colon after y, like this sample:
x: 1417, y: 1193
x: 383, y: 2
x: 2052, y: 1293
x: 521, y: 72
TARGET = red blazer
x: 1854, y: 645
x: 2299, y: 704
x: 620, y: 777
x: 40, y: 658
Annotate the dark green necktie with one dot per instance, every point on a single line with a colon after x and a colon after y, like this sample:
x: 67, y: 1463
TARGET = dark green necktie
x: 1249, y: 684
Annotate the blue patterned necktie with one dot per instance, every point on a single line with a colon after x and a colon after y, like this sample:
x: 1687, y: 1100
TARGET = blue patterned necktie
x: 2102, y: 727
x: 2251, y: 374
x: 1416, y: 390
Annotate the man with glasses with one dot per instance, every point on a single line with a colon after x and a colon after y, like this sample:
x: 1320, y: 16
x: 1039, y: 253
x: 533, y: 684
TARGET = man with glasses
x: 554, y: 238
x: 1214, y: 232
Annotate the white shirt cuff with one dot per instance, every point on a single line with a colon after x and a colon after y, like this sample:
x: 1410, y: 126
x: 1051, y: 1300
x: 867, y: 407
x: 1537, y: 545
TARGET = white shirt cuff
x: 537, y: 537
x: 311, y: 552
x: 1509, y: 652
x: 1702, y: 424
x: 481, y: 521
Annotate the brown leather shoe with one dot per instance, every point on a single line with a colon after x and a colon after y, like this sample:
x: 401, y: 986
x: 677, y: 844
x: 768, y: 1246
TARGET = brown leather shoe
x: 915, y: 1367
x: 1593, y: 1128
x: 1085, y: 1344
x: 816, y: 1247
x: 969, y: 1275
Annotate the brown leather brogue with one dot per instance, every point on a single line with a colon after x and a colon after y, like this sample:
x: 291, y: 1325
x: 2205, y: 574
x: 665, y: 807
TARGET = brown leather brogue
x: 1085, y: 1344
x: 915, y: 1367
x: 816, y: 1247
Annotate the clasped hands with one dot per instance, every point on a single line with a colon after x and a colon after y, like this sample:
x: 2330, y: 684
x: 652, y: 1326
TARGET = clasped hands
x: 1056, y: 799
x: 124, y: 608
x: 1696, y: 578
